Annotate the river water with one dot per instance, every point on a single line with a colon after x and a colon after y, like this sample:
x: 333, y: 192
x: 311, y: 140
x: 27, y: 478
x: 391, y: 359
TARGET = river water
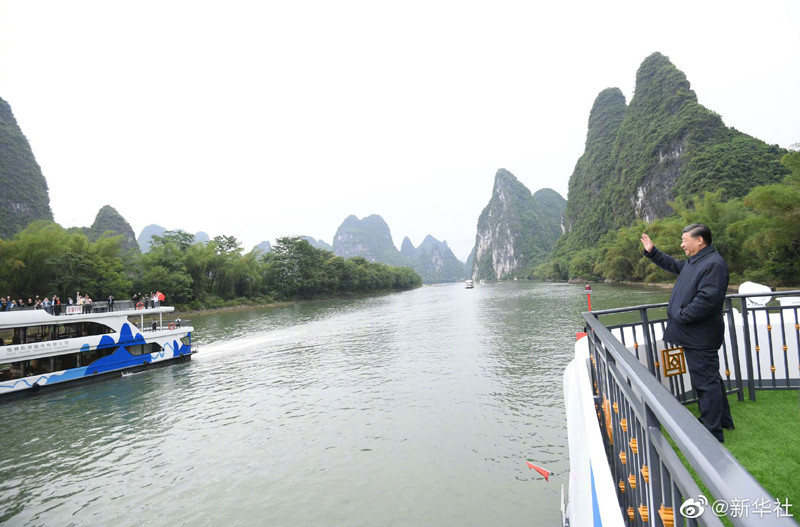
x: 416, y: 408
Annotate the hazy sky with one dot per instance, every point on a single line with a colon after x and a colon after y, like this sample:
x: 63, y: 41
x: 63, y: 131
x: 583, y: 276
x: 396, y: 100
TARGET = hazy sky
x: 261, y: 119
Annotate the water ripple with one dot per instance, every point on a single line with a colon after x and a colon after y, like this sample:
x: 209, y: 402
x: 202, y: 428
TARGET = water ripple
x: 414, y: 408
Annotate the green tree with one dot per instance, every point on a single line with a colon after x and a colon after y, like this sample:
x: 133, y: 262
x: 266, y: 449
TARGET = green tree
x: 164, y: 269
x: 773, y: 232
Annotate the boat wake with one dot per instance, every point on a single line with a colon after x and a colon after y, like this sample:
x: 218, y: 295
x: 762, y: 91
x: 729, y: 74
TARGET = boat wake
x: 242, y: 343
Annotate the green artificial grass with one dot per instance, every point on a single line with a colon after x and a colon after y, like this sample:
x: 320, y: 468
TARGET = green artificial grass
x: 766, y: 442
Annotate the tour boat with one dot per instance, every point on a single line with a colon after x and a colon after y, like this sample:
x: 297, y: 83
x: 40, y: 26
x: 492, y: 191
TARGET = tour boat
x: 469, y: 284
x: 40, y: 349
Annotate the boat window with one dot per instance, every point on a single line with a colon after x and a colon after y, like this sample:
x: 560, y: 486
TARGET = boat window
x: 65, y: 362
x: 33, y: 334
x: 88, y: 357
x: 82, y: 329
x: 14, y: 371
x: 39, y: 366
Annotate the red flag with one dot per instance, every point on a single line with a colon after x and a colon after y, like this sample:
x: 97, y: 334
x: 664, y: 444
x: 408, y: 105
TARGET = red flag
x: 160, y: 296
x: 540, y: 470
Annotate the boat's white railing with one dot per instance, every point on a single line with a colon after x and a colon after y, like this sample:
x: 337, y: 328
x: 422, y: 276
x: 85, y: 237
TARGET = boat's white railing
x: 100, y: 306
x: 635, y: 410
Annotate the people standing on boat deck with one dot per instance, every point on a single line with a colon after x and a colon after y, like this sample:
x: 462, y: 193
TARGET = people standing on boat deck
x: 87, y: 304
x: 110, y: 303
x: 155, y: 325
x: 694, y: 319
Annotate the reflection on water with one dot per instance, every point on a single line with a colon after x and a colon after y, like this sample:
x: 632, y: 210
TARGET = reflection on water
x: 417, y: 408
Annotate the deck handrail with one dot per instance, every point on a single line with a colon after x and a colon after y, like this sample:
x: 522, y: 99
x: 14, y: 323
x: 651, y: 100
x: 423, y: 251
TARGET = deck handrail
x: 100, y: 306
x: 745, y: 367
x: 634, y: 405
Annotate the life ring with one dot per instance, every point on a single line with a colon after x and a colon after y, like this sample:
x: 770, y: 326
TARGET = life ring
x: 139, y: 306
x: 171, y: 325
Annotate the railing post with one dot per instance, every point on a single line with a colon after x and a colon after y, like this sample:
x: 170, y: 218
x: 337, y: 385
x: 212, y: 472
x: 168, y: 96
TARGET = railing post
x: 648, y: 343
x: 733, y: 335
x: 651, y: 422
x: 751, y: 382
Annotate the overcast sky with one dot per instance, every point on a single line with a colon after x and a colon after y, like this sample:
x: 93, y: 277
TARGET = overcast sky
x: 260, y: 119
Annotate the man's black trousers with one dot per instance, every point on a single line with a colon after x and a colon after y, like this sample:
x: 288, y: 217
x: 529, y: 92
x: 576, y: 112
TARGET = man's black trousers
x: 715, y: 412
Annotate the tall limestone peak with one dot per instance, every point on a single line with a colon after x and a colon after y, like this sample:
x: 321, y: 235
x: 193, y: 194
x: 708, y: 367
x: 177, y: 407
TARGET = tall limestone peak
x: 434, y: 261
x: 430, y: 243
x: 516, y: 230
x: 607, y: 114
x: 369, y: 238
x: 670, y: 146
x: 108, y: 219
x: 661, y: 86
x: 146, y: 236
x: 590, y: 183
x: 663, y: 146
x: 263, y: 247
x: 407, y: 248
x: 24, y: 197
x: 319, y: 244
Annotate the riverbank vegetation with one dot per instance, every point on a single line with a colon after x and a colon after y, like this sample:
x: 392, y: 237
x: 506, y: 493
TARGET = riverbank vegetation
x: 45, y: 259
x: 759, y: 236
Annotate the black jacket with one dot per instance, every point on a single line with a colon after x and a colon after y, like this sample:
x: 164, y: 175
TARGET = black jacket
x: 694, y: 315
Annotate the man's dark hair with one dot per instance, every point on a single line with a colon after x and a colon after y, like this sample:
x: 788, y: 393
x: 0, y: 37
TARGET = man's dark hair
x: 699, y: 229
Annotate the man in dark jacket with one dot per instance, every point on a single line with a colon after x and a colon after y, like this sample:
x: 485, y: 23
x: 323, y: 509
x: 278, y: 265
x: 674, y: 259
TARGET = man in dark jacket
x: 694, y: 319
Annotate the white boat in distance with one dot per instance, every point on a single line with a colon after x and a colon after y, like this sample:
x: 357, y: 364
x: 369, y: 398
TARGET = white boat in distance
x: 469, y: 284
x: 40, y: 350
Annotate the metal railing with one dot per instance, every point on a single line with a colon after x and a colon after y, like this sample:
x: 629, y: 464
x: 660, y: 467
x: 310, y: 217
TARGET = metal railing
x: 637, y: 409
x: 760, y: 351
x: 94, y: 307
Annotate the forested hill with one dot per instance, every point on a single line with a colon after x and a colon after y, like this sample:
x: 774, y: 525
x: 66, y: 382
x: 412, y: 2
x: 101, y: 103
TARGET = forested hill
x: 663, y: 146
x: 516, y: 229
x: 434, y: 261
x: 370, y: 238
x: 24, y: 195
x: 108, y: 219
